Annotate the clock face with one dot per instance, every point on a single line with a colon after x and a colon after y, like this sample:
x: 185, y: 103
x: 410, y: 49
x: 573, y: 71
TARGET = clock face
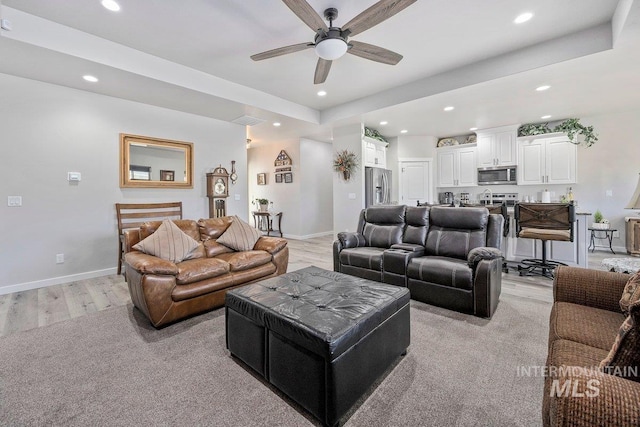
x: 233, y: 177
x: 219, y: 187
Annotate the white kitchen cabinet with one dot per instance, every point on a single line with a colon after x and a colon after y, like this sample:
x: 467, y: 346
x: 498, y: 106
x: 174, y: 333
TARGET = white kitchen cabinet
x: 546, y: 160
x: 497, y: 146
x: 375, y: 152
x: 457, y: 166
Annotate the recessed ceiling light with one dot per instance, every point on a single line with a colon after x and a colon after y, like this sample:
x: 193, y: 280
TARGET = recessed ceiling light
x: 384, y: 122
x: 543, y: 87
x: 523, y: 17
x: 322, y: 92
x: 276, y: 124
x: 91, y: 79
x: 449, y: 108
x: 548, y: 116
x: 404, y: 131
x: 472, y: 129
x: 111, y: 5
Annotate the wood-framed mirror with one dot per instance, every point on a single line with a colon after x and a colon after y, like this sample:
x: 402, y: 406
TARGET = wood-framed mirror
x: 147, y: 162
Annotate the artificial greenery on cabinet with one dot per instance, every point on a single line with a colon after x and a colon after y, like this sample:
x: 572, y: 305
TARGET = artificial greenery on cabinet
x: 572, y: 127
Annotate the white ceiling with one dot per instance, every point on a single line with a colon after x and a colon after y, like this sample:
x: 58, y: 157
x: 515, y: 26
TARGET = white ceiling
x: 193, y: 56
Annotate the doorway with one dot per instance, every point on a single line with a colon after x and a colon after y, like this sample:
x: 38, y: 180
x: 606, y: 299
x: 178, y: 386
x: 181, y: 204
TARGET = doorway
x: 416, y: 177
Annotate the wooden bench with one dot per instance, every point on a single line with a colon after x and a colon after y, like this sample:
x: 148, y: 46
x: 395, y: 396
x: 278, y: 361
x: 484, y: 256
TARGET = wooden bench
x: 133, y: 215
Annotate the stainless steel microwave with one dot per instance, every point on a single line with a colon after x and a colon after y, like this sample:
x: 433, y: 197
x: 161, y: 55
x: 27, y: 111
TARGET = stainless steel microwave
x: 497, y: 175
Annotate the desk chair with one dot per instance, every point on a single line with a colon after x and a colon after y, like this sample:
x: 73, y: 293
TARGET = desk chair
x: 545, y: 222
x: 133, y: 215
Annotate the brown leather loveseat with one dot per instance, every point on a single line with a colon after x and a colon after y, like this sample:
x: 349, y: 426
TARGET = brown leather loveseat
x: 165, y: 291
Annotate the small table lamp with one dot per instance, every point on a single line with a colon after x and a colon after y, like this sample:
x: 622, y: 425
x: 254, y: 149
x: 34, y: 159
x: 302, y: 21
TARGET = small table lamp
x: 634, y: 203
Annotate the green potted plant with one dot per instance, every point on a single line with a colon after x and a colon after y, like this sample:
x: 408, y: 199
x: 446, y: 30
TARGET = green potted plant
x: 263, y: 204
x: 600, y: 222
x: 573, y: 128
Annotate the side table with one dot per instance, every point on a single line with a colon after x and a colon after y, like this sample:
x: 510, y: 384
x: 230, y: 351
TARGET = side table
x: 608, y: 235
x: 263, y: 221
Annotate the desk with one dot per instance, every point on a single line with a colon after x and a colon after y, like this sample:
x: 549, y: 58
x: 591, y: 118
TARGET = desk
x: 263, y: 221
x: 608, y: 235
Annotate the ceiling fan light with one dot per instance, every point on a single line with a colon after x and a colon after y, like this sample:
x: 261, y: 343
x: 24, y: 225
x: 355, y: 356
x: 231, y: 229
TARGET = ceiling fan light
x: 331, y: 49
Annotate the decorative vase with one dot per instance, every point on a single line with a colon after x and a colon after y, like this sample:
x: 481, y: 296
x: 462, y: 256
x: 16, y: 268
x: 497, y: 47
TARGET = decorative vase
x: 346, y: 175
x: 264, y: 208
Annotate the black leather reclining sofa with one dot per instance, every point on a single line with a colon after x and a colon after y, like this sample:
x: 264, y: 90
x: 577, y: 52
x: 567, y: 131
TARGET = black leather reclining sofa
x: 446, y: 256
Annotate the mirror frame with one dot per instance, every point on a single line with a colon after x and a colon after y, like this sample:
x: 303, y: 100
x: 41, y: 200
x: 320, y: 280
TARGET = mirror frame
x: 125, y: 143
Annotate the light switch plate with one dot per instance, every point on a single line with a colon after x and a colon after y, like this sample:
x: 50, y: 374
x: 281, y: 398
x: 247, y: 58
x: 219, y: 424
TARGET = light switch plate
x: 5, y: 24
x: 14, y: 201
x: 352, y: 196
x: 74, y: 176
x: 237, y: 197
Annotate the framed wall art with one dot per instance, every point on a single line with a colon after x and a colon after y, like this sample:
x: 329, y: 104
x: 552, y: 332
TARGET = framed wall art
x: 278, y: 178
x: 262, y: 179
x: 166, y: 175
x: 288, y: 177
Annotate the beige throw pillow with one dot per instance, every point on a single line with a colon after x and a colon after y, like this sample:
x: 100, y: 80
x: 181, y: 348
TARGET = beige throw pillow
x: 631, y: 293
x: 240, y: 236
x: 168, y: 242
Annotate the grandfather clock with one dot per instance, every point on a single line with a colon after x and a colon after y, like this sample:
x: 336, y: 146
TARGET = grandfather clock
x: 217, y: 192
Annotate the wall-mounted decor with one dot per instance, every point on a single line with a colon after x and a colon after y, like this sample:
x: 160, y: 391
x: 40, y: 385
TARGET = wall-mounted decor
x: 279, y: 178
x: 234, y: 176
x: 154, y: 155
x: 166, y: 175
x: 287, y: 169
x: 262, y: 179
x: 283, y: 159
x: 288, y: 177
x: 346, y: 162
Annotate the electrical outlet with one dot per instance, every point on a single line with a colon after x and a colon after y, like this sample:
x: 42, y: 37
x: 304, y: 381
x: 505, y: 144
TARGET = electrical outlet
x: 616, y: 234
x: 59, y: 258
x: 609, y: 193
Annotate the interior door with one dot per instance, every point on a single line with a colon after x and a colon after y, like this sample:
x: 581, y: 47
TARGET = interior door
x: 415, y: 182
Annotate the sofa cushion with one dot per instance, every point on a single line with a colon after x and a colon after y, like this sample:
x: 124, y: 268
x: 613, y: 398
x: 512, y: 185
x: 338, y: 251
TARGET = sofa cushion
x: 417, y: 219
x: 443, y: 271
x: 454, y: 232
x: 213, y: 248
x: 385, y: 214
x: 625, y: 351
x: 194, y: 270
x: 240, y: 236
x: 631, y: 293
x: 188, y: 226
x: 212, y: 228
x: 382, y: 236
x: 364, y: 257
x: 239, y: 261
x: 168, y: 242
x: 586, y: 325
x: 571, y: 353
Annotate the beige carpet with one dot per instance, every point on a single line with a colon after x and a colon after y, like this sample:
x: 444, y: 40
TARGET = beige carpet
x: 113, y: 368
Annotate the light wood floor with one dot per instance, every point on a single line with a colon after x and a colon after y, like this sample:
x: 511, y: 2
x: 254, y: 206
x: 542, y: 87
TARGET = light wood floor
x: 40, y: 307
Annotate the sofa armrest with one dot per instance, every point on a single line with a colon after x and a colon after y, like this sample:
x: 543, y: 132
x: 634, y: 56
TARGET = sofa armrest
x: 409, y: 247
x: 270, y: 244
x: 351, y: 240
x: 598, y: 399
x: 130, y: 237
x: 593, y: 288
x: 487, y: 285
x: 149, y: 264
x: 477, y: 254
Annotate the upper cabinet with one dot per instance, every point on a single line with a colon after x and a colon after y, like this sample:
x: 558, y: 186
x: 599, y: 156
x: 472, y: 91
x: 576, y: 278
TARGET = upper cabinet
x: 497, y: 146
x: 375, y: 152
x: 457, y: 166
x: 546, y: 159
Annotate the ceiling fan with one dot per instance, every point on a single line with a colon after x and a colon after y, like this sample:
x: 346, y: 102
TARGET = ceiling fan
x: 331, y: 42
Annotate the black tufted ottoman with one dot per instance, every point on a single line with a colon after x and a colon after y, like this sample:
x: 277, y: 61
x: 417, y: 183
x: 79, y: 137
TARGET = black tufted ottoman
x: 321, y: 337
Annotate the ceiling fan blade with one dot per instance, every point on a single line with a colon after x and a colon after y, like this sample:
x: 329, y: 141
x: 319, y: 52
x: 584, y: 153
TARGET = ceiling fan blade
x: 374, y: 53
x: 305, y: 12
x: 281, y: 51
x: 322, y: 71
x: 377, y: 13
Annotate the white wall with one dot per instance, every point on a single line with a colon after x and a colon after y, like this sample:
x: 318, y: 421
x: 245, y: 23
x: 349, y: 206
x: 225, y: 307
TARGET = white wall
x: 345, y: 209
x: 49, y: 130
x: 306, y: 203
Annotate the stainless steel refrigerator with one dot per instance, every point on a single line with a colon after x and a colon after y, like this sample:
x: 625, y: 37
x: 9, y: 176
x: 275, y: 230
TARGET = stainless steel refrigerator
x: 377, y: 186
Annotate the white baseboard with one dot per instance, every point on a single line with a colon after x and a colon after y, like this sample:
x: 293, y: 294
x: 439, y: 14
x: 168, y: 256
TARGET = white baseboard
x: 56, y: 281
x: 307, y: 236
